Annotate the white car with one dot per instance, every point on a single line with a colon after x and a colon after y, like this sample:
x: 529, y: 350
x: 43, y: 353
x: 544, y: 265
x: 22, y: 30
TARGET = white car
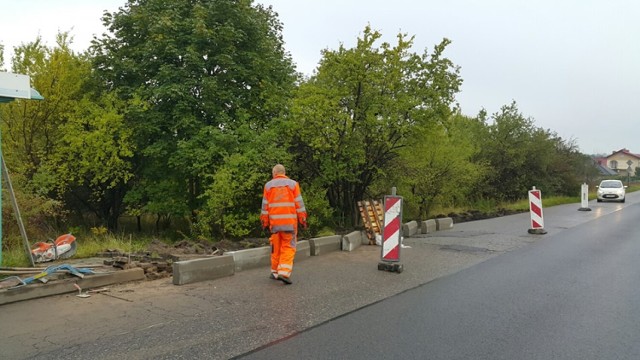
x: 611, y: 190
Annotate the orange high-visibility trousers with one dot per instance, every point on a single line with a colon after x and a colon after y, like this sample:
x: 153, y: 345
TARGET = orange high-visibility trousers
x: 283, y: 250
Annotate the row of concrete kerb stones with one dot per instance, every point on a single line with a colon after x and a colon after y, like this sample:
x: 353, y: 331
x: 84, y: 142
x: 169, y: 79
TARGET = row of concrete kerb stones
x: 203, y: 269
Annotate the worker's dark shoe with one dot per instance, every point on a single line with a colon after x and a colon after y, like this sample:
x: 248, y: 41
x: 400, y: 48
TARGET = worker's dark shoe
x: 273, y: 276
x: 285, y: 280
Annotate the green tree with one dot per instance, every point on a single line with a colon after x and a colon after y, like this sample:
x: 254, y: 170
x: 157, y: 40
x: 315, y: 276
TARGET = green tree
x: 352, y: 118
x: 521, y: 155
x: 31, y: 129
x: 202, y: 73
x: 506, y: 141
x: 72, y: 146
x: 436, y: 170
x: 234, y: 196
x: 93, y: 159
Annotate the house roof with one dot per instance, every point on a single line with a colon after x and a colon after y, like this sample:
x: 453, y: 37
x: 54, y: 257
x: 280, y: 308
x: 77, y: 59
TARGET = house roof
x: 605, y: 170
x: 600, y: 160
x: 625, y: 152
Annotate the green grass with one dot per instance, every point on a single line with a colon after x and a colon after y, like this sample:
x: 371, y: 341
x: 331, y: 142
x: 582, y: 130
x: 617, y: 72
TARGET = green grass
x: 15, y: 257
x: 488, y: 206
x: 523, y: 205
x: 92, y: 245
x: 88, y: 246
x: 633, y: 187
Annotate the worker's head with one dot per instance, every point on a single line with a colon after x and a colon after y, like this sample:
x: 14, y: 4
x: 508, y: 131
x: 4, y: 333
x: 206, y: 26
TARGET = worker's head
x: 278, y: 170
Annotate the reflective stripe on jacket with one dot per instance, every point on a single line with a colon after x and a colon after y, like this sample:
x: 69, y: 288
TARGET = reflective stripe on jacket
x: 282, y: 205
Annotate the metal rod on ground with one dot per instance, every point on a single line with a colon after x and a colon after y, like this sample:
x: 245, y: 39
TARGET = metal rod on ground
x: 16, y: 210
x: 115, y: 297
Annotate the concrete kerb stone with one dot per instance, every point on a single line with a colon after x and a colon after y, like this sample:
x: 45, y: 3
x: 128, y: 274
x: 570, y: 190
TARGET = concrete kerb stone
x: 191, y: 271
x: 409, y: 229
x: 325, y: 244
x: 303, y: 250
x: 444, y: 223
x: 353, y: 240
x: 251, y: 258
x: 261, y: 257
x: 34, y: 291
x: 428, y: 226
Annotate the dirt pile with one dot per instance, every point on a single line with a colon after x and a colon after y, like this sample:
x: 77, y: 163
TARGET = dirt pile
x: 157, y: 259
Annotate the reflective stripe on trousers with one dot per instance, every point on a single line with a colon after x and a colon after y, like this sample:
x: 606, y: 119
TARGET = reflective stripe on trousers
x: 283, y: 250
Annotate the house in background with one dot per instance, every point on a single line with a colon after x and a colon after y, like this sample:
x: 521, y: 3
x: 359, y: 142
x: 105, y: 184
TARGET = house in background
x: 619, y: 162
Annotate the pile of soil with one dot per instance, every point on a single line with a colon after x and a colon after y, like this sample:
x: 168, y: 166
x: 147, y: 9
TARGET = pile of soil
x: 157, y: 259
x: 187, y: 247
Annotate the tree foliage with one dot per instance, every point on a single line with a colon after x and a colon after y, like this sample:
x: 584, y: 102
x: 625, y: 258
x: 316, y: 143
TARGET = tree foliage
x: 206, y: 76
x: 437, y: 170
x: 72, y: 147
x: 32, y: 129
x: 521, y: 155
x: 360, y: 109
x: 183, y: 107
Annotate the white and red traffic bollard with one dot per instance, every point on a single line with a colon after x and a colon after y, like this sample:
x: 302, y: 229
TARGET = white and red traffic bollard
x: 391, y: 240
x: 535, y: 208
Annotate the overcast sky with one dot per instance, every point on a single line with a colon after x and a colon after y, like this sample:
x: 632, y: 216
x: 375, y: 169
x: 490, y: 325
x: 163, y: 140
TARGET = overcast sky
x: 571, y: 65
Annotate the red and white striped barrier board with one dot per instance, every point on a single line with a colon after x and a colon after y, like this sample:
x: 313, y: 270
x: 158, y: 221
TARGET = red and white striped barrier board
x: 391, y: 231
x: 535, y: 208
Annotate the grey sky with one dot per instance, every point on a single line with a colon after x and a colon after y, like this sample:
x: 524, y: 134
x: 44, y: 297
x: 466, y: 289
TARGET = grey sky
x: 571, y: 65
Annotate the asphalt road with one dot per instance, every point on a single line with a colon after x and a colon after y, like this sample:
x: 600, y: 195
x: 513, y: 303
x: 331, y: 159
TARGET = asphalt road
x: 460, y: 276
x: 571, y: 296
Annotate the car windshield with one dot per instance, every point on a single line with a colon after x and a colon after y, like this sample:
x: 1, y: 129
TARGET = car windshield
x: 611, y: 184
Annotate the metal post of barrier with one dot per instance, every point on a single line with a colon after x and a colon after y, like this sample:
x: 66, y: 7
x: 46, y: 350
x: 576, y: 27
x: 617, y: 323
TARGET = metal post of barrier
x: 535, y: 208
x: 584, y: 198
x: 391, y: 234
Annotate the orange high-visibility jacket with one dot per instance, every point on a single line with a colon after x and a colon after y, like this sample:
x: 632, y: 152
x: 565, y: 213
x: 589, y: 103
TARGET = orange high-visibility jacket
x: 282, y: 205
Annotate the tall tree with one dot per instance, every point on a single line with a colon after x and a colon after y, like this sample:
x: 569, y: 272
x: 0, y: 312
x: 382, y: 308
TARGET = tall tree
x: 360, y: 108
x: 72, y: 146
x: 31, y: 129
x: 437, y: 170
x: 203, y: 74
x: 522, y: 155
x: 93, y: 161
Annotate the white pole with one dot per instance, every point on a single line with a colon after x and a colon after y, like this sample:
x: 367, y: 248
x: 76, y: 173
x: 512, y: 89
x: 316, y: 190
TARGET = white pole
x: 584, y: 198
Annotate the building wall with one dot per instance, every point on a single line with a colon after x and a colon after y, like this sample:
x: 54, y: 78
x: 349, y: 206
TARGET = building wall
x: 621, y: 160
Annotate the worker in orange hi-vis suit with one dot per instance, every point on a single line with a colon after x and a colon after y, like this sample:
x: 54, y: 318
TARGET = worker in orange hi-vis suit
x: 282, y: 209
